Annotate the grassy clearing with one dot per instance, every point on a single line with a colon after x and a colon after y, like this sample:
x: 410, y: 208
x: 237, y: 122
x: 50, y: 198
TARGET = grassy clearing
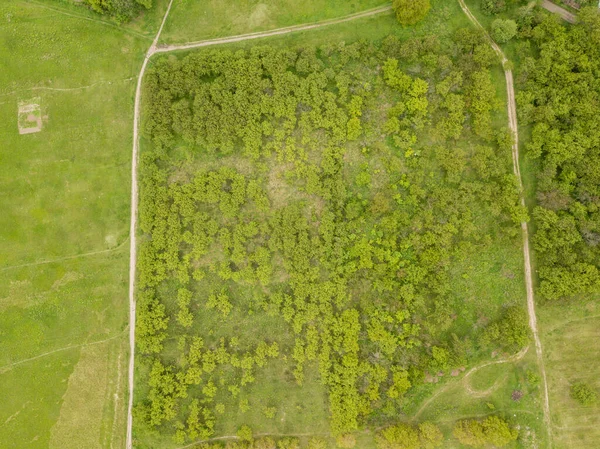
x: 65, y: 194
x: 192, y: 20
x: 501, y: 380
x: 570, y: 334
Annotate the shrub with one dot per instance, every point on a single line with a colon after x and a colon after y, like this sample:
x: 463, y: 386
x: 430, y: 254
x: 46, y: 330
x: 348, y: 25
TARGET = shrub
x: 409, y: 12
x: 245, y: 433
x: 583, y: 394
x: 503, y: 30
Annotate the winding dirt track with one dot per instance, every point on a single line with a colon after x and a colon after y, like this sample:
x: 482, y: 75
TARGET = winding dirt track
x: 135, y: 153
x: 513, y: 358
x: 512, y: 119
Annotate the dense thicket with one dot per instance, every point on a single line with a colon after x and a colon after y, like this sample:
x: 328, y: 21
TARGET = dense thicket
x: 560, y: 98
x: 122, y: 10
x: 493, y: 431
x: 330, y: 189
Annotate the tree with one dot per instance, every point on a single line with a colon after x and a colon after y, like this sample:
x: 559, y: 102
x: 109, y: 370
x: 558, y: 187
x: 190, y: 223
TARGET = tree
x: 492, y: 430
x: 469, y: 432
x: 503, y: 30
x: 409, y: 12
x: 244, y: 433
x: 583, y: 394
x: 498, y: 432
x: 400, y: 436
x: 430, y: 435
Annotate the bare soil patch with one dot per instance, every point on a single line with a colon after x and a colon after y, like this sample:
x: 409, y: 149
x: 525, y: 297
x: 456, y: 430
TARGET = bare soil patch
x: 29, y: 118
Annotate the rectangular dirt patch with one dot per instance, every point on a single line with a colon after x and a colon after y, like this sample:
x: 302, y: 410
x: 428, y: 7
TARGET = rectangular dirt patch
x: 30, y: 116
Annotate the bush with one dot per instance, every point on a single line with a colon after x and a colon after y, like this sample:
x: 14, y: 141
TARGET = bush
x: 583, y: 394
x: 492, y: 430
x: 493, y: 6
x: 245, y: 433
x: 346, y: 441
x: 503, y: 30
x: 409, y: 12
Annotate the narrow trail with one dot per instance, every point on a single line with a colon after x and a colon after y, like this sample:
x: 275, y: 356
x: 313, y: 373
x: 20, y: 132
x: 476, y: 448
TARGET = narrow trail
x: 61, y: 259
x: 514, y: 358
x: 5, y: 368
x: 65, y: 89
x: 133, y: 225
x: 512, y: 119
x: 83, y: 17
x: 563, y: 13
x: 270, y: 33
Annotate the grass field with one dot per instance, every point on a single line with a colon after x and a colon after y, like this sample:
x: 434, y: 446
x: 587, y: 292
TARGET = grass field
x: 192, y: 20
x: 64, y: 226
x: 570, y: 333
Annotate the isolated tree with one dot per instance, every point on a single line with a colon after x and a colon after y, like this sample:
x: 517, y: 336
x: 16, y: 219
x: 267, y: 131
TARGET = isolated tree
x: 503, y: 30
x: 409, y: 12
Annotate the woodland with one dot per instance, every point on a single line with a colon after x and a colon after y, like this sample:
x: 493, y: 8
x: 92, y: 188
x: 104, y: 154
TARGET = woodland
x: 327, y: 195
x: 559, y: 99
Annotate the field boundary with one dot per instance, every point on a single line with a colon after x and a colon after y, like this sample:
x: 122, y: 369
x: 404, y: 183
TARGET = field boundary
x: 512, y: 123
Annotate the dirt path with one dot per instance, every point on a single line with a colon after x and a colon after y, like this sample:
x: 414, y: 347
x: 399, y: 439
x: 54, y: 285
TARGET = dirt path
x: 512, y: 119
x: 270, y: 33
x: 518, y: 356
x: 133, y: 223
x: 563, y: 13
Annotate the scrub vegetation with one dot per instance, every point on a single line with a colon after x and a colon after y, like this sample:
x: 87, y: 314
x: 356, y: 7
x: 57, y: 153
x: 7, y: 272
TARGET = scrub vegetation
x: 305, y: 215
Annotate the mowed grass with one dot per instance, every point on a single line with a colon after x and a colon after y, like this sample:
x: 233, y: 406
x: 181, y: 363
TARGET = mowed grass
x: 570, y: 333
x: 64, y: 226
x: 192, y: 20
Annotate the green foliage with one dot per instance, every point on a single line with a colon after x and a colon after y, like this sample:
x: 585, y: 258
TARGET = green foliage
x: 583, y: 394
x: 405, y: 436
x: 511, y: 331
x: 557, y: 99
x: 493, y: 6
x: 244, y: 433
x: 122, y: 10
x: 493, y: 430
x: 316, y: 443
x: 409, y: 12
x: 430, y: 435
x: 503, y: 30
x: 290, y: 205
